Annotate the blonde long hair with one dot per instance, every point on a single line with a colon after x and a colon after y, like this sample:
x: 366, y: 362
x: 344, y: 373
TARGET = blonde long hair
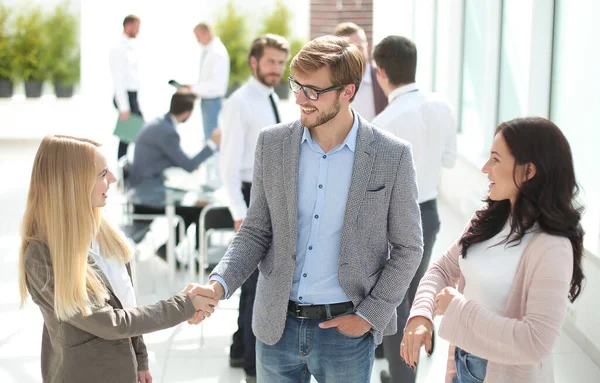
x: 60, y: 216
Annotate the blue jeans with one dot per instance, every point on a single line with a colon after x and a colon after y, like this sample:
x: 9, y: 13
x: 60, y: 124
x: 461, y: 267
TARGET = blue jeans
x: 210, y: 114
x: 305, y: 349
x: 469, y: 368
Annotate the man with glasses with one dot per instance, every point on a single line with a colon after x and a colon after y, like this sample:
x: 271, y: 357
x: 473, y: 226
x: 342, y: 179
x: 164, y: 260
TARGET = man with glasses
x: 246, y: 112
x: 333, y: 226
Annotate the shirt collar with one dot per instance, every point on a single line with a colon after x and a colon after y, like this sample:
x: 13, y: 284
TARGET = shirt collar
x: 401, y: 90
x: 259, y: 86
x: 350, y: 140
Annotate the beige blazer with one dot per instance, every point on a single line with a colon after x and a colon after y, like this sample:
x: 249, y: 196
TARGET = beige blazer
x: 105, y: 346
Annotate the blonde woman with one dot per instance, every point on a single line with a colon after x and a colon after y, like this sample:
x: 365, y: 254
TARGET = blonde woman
x: 75, y: 267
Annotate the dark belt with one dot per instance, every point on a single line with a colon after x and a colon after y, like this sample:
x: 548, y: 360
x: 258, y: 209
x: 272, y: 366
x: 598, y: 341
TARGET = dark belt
x: 305, y: 311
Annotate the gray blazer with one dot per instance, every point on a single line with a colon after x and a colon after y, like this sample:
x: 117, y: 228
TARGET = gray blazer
x: 381, y: 244
x: 105, y: 346
x: 157, y: 147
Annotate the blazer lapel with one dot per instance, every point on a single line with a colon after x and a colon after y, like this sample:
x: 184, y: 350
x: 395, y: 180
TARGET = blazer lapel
x: 291, y: 158
x: 364, y: 157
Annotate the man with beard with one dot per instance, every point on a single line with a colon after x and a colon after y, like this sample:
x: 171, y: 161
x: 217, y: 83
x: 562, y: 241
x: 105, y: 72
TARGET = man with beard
x: 248, y: 110
x: 333, y: 226
x: 157, y: 147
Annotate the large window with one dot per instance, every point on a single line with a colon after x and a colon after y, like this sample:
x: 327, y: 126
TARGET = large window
x: 473, y: 69
x: 515, y: 58
x: 576, y: 97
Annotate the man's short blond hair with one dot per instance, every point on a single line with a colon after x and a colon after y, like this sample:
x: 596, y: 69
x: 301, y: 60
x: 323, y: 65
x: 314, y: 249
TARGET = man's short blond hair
x: 342, y: 58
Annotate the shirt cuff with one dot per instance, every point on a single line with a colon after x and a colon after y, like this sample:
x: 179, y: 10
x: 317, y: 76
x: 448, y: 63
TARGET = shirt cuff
x: 222, y: 282
x: 211, y: 144
x: 364, y: 317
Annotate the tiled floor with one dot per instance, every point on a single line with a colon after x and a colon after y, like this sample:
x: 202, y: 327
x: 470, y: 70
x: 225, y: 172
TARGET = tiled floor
x: 183, y: 353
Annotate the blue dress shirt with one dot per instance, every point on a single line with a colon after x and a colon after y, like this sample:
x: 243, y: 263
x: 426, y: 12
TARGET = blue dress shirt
x: 323, y: 185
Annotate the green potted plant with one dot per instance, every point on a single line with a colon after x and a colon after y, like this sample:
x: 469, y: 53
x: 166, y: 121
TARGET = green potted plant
x: 279, y: 22
x: 63, y: 51
x: 31, y: 49
x: 230, y: 26
x: 6, y: 54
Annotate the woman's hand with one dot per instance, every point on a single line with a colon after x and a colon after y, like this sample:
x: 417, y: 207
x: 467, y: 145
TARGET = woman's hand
x: 443, y: 299
x: 418, y: 332
x: 144, y: 377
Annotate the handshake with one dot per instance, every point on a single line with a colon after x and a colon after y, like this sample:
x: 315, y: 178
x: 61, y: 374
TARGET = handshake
x: 204, y: 298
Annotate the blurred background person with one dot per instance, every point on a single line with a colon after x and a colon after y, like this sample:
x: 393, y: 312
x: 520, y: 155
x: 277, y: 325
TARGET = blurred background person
x: 158, y: 147
x: 125, y: 74
x: 213, y: 78
x: 370, y: 99
x: 426, y: 122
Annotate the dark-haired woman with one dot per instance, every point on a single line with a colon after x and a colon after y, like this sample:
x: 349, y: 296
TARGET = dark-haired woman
x: 504, y: 286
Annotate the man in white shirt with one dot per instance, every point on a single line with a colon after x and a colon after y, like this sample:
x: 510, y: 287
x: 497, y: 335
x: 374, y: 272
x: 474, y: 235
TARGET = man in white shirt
x: 124, y: 70
x: 249, y: 109
x: 370, y: 99
x: 213, y: 78
x: 426, y: 121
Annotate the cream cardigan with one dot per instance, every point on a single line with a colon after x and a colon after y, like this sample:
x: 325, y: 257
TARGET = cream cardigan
x: 519, y: 344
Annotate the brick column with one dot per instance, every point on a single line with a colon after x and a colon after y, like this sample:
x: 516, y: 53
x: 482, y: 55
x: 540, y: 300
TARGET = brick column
x: 325, y: 15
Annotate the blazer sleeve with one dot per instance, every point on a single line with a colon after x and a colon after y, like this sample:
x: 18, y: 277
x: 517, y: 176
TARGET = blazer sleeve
x: 518, y: 341
x: 141, y: 353
x: 250, y: 244
x: 105, y: 322
x: 170, y: 144
x: 406, y: 247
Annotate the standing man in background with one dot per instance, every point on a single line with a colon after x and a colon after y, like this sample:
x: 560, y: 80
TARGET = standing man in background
x: 125, y: 74
x: 370, y: 99
x: 249, y: 109
x: 426, y: 122
x: 214, y: 76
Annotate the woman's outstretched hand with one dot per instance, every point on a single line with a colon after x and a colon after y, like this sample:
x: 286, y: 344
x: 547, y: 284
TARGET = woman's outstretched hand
x: 418, y: 332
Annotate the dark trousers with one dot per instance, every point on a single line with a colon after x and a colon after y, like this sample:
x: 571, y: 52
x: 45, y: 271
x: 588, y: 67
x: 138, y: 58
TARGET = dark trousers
x: 244, y: 341
x: 190, y: 214
x: 399, y: 371
x: 135, y: 109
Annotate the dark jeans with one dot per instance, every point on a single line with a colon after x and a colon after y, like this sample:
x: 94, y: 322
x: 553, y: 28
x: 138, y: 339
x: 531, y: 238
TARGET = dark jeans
x: 135, y: 109
x: 244, y: 341
x: 399, y: 371
x: 305, y: 349
x: 469, y: 368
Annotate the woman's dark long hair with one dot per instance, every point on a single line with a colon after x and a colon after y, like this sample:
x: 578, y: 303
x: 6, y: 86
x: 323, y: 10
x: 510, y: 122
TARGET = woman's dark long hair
x: 549, y: 198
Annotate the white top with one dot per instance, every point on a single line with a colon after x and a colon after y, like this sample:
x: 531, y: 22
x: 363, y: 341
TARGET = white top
x: 214, y: 70
x: 124, y: 70
x: 489, y: 270
x: 364, y: 102
x: 426, y: 121
x: 116, y: 273
x: 244, y: 114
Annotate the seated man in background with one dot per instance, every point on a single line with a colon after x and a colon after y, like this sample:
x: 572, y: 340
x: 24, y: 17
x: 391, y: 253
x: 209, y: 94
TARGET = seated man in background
x: 157, y: 147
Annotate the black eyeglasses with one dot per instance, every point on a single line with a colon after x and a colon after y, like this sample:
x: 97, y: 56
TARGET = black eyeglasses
x: 310, y: 93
